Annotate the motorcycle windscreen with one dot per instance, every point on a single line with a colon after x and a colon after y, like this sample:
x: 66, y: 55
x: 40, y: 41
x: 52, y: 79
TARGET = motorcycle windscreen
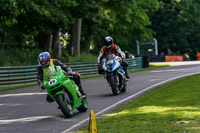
x: 111, y: 63
x: 52, y: 72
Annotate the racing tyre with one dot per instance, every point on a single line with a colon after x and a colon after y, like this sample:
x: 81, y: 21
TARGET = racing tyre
x: 64, y: 103
x: 114, y: 87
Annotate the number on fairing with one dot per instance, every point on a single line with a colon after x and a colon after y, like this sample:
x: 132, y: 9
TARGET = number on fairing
x: 52, y: 82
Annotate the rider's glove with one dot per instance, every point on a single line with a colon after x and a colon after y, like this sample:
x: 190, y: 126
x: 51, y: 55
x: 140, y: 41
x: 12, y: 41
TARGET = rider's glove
x: 41, y: 85
x: 99, y: 65
x: 123, y: 56
x: 42, y: 88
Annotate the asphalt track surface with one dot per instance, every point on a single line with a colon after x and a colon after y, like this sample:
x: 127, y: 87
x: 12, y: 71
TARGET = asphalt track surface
x: 26, y: 110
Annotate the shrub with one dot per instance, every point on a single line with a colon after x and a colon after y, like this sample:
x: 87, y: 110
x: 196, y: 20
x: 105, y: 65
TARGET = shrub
x: 25, y: 57
x: 18, y: 57
x: 84, y: 58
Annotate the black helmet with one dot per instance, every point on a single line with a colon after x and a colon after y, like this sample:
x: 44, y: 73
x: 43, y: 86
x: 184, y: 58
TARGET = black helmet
x: 108, y: 41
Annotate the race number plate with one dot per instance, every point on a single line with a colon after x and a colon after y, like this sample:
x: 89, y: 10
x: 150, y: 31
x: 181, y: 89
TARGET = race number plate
x: 52, y: 82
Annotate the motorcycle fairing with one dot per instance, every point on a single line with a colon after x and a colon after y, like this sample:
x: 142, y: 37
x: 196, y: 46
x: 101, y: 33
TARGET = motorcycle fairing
x: 115, y: 65
x: 61, y: 80
x: 121, y: 72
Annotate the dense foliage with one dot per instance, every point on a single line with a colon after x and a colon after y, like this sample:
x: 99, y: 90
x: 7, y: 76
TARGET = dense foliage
x: 176, y: 26
x: 45, y: 24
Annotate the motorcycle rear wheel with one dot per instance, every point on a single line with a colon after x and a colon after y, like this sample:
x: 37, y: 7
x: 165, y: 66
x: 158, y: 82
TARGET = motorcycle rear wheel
x: 65, y: 104
x: 114, y: 87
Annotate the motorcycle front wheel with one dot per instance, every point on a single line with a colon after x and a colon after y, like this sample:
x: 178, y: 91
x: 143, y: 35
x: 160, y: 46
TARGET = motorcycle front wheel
x: 114, y: 86
x: 64, y: 103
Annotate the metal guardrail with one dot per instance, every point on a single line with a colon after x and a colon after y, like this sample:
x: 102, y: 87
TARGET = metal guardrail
x: 135, y: 63
x: 18, y: 75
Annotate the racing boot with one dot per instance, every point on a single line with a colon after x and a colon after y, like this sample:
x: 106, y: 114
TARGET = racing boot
x: 82, y: 92
x: 77, y: 81
x: 124, y: 64
x: 49, y: 99
x: 126, y: 74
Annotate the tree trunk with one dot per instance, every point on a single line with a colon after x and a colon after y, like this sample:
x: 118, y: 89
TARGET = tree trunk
x: 56, y: 44
x: 76, y: 36
x: 87, y: 44
x: 45, y: 42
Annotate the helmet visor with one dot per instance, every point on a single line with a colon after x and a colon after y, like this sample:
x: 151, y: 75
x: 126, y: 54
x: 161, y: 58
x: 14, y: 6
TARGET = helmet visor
x: 44, y: 63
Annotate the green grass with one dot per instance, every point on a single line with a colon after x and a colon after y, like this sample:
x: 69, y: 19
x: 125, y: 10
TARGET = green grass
x: 18, y: 57
x: 24, y: 57
x: 171, y: 108
x: 16, y: 87
x: 84, y: 58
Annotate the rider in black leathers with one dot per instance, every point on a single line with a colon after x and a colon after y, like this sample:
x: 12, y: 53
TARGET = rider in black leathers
x: 44, y: 61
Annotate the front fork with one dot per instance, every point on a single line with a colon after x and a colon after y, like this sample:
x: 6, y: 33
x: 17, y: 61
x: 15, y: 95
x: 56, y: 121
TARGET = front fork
x: 54, y: 93
x: 107, y: 77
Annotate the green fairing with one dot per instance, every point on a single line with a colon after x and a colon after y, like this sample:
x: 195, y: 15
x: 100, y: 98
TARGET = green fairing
x: 54, y: 79
x: 73, y: 91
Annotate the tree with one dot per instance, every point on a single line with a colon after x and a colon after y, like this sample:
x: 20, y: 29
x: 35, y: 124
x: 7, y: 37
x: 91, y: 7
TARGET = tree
x: 129, y: 21
x: 41, y: 22
x: 51, y: 16
x: 8, y: 17
x: 175, y: 24
x: 84, y: 11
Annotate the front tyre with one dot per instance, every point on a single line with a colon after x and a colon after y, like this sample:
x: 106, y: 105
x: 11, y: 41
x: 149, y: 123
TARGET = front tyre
x: 65, y: 104
x: 114, y: 86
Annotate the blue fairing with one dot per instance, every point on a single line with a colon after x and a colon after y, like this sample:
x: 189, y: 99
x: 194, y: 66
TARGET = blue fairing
x: 120, y: 70
x: 113, y: 65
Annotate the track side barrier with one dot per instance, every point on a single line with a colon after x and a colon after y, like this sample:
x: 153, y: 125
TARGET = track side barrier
x: 21, y: 75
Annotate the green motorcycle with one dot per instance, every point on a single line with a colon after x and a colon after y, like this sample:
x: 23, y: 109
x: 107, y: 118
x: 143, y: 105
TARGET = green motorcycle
x: 64, y: 91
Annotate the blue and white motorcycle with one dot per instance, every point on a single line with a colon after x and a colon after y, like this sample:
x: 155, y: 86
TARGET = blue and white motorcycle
x: 114, y: 74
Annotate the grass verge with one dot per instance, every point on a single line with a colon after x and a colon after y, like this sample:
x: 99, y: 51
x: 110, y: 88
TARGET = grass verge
x: 16, y: 87
x: 172, y: 108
